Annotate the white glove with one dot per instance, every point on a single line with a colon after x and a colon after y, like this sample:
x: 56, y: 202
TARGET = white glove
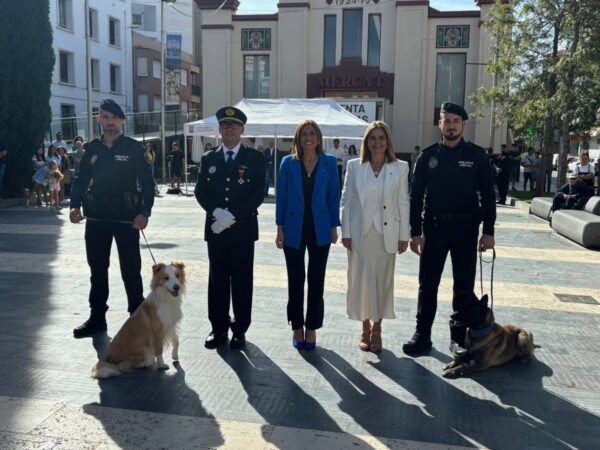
x: 223, y: 217
x: 217, y: 227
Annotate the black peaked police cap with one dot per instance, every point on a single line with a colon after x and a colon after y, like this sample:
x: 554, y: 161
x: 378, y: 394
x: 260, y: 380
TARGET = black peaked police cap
x: 231, y: 114
x: 108, y: 104
x: 453, y: 108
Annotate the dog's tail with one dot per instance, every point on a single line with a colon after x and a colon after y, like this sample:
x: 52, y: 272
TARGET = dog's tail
x: 102, y: 369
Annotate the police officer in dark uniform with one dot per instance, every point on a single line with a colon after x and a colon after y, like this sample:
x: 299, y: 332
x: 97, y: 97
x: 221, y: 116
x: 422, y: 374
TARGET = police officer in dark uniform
x: 106, y: 187
x: 454, y: 179
x: 502, y: 168
x: 230, y: 188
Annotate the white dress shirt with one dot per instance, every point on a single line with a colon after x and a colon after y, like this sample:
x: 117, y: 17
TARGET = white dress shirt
x: 373, y: 201
x: 235, y: 151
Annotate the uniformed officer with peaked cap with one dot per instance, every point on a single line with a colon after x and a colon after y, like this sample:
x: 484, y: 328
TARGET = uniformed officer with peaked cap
x: 106, y: 187
x: 452, y: 192
x: 230, y: 189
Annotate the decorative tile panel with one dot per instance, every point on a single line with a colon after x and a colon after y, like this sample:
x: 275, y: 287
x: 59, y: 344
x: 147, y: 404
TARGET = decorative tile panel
x: 256, y: 39
x: 452, y: 36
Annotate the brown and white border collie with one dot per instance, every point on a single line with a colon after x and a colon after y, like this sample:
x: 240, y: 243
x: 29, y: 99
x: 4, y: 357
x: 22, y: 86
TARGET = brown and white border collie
x: 140, y: 341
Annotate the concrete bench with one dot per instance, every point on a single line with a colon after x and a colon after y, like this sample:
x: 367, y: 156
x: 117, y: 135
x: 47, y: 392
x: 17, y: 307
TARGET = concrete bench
x: 540, y: 206
x: 582, y: 227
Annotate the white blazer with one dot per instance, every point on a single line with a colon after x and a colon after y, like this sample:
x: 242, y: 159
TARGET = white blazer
x: 396, y: 204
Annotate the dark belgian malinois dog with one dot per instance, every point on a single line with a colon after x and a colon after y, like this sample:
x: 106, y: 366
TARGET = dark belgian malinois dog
x: 490, y: 344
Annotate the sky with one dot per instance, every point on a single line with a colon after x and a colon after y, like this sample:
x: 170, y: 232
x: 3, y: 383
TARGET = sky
x: 270, y: 6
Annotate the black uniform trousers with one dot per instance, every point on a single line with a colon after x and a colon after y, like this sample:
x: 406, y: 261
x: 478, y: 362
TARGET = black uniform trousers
x: 230, y: 281
x: 99, y: 235
x: 460, y: 239
x: 317, y: 266
x: 502, y: 183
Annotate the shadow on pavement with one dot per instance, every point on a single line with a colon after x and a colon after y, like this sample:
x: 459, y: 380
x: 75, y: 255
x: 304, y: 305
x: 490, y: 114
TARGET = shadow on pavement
x: 482, y: 421
x: 27, y: 285
x: 374, y: 409
x: 279, y: 399
x: 154, y: 391
x: 543, y: 410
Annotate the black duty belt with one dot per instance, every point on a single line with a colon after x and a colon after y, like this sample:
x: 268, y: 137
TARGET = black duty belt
x: 450, y: 217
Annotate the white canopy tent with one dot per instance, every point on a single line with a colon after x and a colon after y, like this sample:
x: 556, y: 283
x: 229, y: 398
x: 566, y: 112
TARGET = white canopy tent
x: 279, y: 117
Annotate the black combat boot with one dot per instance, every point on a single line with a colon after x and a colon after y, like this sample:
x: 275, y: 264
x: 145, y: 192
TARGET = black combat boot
x: 90, y: 327
x: 418, y: 344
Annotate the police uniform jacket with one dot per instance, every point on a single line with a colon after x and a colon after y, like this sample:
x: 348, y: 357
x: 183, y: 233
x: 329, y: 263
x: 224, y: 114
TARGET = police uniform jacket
x: 108, y: 180
x: 240, y: 191
x: 503, y: 163
x: 452, y: 182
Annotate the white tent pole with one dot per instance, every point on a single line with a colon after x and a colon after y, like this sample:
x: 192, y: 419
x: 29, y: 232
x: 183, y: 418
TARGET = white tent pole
x: 185, y: 165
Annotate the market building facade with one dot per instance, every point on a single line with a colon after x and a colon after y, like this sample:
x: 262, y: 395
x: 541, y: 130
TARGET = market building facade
x: 391, y: 60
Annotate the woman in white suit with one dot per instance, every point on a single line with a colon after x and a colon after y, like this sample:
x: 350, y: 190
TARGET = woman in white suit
x: 375, y: 225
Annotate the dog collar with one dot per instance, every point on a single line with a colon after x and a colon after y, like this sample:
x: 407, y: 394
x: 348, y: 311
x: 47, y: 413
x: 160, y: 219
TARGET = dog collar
x: 481, y: 331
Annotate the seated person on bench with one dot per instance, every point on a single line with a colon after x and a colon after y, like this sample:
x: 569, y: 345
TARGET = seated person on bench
x: 572, y: 195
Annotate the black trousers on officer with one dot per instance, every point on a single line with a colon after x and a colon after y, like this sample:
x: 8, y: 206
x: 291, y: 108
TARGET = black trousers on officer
x: 99, y: 235
x: 317, y: 266
x: 502, y: 183
x: 230, y: 280
x: 459, y: 238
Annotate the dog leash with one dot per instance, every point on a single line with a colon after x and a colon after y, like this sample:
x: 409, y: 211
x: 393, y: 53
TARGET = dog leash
x: 148, y: 245
x: 481, y: 261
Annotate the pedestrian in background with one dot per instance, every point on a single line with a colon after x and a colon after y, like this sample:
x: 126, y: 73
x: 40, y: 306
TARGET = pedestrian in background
x: 352, y: 154
x: 150, y: 157
x: 78, y: 152
x: 375, y: 225
x: 269, y: 154
x: 65, y: 170
x: 39, y: 158
x: 176, y: 156
x: 59, y: 141
x: 307, y: 217
x: 528, y: 162
x: 339, y: 154
x: 502, y: 171
x: 54, y: 177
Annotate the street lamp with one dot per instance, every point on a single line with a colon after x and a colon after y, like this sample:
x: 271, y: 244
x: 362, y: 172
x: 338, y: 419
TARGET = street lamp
x: 162, y: 88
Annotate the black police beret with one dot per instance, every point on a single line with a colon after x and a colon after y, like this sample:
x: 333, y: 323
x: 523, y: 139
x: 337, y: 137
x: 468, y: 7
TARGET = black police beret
x: 231, y: 114
x: 108, y: 104
x: 453, y: 108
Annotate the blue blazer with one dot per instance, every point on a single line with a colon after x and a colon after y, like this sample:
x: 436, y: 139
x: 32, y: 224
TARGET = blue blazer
x: 289, y: 207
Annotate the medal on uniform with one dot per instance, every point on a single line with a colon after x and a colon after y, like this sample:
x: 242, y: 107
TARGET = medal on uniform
x: 433, y: 162
x: 241, y: 173
x: 212, y: 169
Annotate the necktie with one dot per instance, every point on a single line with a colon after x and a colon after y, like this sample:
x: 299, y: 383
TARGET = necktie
x: 229, y: 162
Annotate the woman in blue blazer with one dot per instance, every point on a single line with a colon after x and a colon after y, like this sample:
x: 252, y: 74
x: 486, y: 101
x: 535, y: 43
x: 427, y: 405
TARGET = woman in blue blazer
x: 307, y: 217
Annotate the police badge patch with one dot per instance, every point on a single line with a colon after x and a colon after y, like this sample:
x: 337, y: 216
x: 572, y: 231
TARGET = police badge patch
x: 93, y: 159
x: 212, y: 169
x: 433, y: 162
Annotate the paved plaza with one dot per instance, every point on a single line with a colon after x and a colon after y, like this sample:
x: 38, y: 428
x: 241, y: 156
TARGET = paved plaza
x: 270, y: 395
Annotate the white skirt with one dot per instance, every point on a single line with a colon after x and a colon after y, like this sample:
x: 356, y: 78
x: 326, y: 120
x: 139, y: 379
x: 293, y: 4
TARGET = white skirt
x: 371, y: 280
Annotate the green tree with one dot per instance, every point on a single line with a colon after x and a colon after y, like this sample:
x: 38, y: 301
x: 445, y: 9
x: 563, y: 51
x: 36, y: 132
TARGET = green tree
x: 548, y: 56
x: 25, y: 78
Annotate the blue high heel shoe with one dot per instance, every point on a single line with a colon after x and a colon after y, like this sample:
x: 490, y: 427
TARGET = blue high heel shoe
x: 299, y: 345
